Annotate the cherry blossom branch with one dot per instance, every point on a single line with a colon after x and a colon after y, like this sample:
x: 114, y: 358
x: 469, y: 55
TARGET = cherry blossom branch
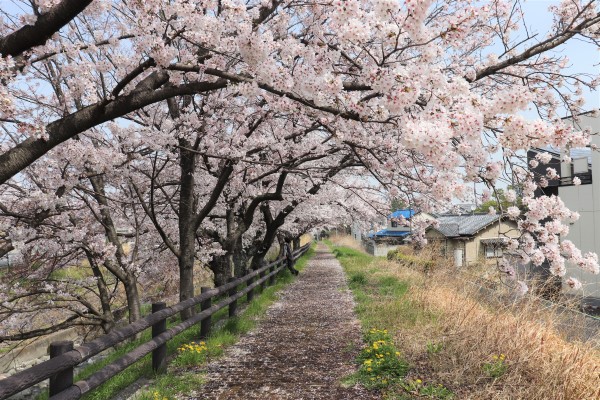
x: 59, y: 131
x: 539, y: 48
x: 46, y: 25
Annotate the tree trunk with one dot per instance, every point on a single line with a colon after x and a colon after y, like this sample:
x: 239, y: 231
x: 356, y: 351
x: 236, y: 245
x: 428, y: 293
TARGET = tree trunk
x: 187, y: 244
x: 120, y: 269
x: 221, y: 268
x: 186, y: 272
x: 103, y: 295
x: 238, y: 258
x: 133, y: 298
x: 281, y: 241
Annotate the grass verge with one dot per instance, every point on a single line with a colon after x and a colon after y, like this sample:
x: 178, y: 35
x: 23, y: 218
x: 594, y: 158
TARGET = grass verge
x: 382, y: 305
x: 458, y: 346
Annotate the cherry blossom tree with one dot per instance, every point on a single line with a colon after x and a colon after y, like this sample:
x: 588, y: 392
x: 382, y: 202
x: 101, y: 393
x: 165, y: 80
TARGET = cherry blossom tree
x: 427, y: 97
x: 76, y: 224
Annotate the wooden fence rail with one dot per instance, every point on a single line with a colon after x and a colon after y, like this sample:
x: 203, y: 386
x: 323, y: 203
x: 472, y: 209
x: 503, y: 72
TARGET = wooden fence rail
x: 59, y: 368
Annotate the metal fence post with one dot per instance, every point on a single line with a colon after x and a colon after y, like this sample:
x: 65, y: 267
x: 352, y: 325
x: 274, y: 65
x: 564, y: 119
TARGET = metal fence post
x: 62, y: 380
x: 205, y: 323
x: 232, y: 305
x: 159, y: 355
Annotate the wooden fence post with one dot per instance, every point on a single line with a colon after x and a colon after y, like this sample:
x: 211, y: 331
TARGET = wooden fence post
x: 232, y: 305
x: 250, y: 294
x: 159, y: 355
x: 62, y: 380
x: 205, y: 323
x: 262, y: 285
x: 272, y: 278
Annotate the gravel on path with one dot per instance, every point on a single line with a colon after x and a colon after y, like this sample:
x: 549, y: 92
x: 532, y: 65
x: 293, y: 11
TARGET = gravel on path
x: 301, y: 349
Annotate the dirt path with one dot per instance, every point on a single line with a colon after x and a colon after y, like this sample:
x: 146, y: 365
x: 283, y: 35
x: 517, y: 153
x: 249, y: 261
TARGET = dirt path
x: 302, y: 348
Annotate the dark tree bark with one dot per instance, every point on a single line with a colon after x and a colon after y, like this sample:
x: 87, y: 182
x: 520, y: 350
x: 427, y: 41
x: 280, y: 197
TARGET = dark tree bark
x: 273, y: 224
x: 44, y: 27
x: 187, y: 230
x: 234, y: 261
x: 25, y: 153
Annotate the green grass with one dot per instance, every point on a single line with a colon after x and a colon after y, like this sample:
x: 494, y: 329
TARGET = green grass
x: 382, y: 305
x: 390, y: 286
x: 169, y: 384
x: 72, y: 273
x: 380, y: 297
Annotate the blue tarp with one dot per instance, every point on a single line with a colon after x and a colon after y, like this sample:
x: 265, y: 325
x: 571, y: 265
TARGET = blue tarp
x: 385, y: 232
x: 402, y: 213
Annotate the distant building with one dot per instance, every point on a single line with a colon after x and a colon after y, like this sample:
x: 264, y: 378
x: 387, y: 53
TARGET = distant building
x: 583, y: 198
x: 356, y: 230
x: 471, y: 238
x: 465, y: 208
x: 398, y: 227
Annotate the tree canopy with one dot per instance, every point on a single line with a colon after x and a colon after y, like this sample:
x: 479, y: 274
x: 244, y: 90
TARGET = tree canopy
x: 212, y: 129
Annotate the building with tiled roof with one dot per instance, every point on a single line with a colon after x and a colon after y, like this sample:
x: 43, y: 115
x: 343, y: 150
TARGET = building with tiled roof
x: 471, y: 238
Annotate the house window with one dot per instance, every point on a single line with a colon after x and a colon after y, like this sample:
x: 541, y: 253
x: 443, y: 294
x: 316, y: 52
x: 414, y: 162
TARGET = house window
x: 492, y: 251
x: 394, y: 224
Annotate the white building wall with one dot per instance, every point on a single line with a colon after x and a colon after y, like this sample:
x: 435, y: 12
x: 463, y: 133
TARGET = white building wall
x: 357, y: 231
x: 585, y: 199
x: 379, y: 249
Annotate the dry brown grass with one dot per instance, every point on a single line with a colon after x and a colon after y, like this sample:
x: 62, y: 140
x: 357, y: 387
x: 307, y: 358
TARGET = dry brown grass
x: 467, y: 330
x: 542, y: 364
x: 347, y: 241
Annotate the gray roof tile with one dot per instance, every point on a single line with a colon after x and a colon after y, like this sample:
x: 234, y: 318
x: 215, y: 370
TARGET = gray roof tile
x: 465, y: 224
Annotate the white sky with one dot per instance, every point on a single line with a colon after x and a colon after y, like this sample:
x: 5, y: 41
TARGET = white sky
x: 584, y: 57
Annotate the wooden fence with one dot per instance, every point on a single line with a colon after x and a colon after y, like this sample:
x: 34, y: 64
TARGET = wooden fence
x: 63, y: 357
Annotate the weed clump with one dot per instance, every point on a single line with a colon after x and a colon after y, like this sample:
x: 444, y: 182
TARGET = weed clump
x: 496, y: 367
x: 191, y: 354
x: 380, y: 361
